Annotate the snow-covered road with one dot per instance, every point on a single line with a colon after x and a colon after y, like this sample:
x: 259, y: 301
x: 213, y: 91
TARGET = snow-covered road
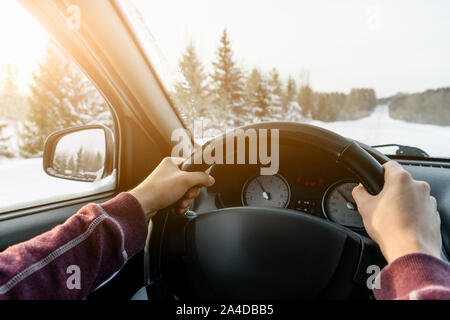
x: 380, y: 128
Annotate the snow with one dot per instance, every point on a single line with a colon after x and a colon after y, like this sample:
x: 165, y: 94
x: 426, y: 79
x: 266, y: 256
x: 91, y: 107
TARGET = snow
x: 11, y: 131
x: 380, y: 128
x: 23, y: 183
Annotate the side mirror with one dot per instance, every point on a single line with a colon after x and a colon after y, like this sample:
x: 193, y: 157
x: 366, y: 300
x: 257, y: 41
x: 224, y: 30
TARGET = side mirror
x: 83, y: 154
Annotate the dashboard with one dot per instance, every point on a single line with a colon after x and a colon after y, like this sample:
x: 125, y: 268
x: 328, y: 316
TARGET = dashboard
x: 311, y: 182
x: 308, y: 181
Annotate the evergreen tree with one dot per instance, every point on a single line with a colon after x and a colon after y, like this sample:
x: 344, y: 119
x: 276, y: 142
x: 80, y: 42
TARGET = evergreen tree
x: 5, y: 147
x: 430, y: 107
x: 320, y: 112
x: 329, y: 107
x: 60, y: 164
x: 258, y: 97
x: 334, y: 107
x: 12, y: 101
x: 98, y: 162
x: 227, y: 84
x: 276, y: 96
x: 360, y: 103
x: 91, y: 162
x: 306, y: 100
x: 290, y: 94
x: 71, y: 166
x: 60, y: 97
x: 9, y: 80
x: 306, y: 95
x: 275, y: 87
x: 251, y: 95
x: 191, y: 93
x: 83, y: 104
x: 292, y: 110
x: 47, y: 95
x: 80, y: 164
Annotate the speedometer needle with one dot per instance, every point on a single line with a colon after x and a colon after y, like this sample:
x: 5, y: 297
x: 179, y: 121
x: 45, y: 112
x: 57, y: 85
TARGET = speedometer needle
x: 350, y: 205
x: 265, y: 194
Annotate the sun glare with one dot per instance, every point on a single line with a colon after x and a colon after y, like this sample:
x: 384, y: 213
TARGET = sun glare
x: 23, y: 40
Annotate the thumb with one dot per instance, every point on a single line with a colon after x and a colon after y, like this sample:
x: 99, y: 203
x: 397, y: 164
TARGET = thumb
x: 199, y: 179
x: 361, y: 196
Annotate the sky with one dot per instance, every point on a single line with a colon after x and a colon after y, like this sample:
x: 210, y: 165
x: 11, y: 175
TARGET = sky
x: 23, y: 40
x: 391, y: 46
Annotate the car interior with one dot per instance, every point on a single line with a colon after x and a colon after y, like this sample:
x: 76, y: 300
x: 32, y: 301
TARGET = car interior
x: 308, y: 243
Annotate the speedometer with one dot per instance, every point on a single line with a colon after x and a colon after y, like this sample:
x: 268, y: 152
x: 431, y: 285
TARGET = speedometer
x: 266, y: 191
x: 339, y: 205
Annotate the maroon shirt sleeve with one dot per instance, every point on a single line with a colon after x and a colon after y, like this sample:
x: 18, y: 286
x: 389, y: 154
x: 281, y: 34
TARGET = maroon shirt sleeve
x: 414, y: 277
x: 73, y: 259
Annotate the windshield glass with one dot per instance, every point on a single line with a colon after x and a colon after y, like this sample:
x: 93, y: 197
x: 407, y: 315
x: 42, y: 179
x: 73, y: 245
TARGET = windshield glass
x: 375, y: 71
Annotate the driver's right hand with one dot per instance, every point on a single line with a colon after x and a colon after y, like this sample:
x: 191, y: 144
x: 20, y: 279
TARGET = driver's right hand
x: 403, y: 217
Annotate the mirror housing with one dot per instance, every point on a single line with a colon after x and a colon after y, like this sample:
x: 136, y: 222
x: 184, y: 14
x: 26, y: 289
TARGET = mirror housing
x: 83, y: 154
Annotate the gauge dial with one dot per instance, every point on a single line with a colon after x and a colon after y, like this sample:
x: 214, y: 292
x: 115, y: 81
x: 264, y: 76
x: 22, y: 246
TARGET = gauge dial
x: 340, y: 207
x: 266, y: 191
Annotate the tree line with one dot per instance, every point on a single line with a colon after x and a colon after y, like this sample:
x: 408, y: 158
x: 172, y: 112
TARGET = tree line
x: 223, y: 95
x: 428, y: 107
x: 230, y: 96
x: 85, y: 164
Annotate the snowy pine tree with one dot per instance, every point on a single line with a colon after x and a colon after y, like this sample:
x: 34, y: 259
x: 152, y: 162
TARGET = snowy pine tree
x: 191, y: 93
x: 47, y: 94
x: 9, y: 93
x: 60, y: 163
x: 258, y: 97
x: 5, y: 146
x: 306, y: 100
x: 60, y: 97
x: 83, y: 104
x: 9, y: 84
x: 276, y: 96
x: 228, y: 89
x: 306, y: 95
x: 13, y: 102
x: 290, y: 93
x: 292, y: 110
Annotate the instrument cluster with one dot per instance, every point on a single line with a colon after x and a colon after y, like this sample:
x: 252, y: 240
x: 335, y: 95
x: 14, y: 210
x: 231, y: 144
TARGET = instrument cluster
x: 310, y: 183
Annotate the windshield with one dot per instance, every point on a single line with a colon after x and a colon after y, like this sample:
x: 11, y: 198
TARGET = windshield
x: 375, y: 71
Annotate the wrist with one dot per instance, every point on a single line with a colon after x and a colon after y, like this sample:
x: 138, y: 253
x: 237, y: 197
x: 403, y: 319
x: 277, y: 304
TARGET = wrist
x: 144, y: 199
x: 407, y: 247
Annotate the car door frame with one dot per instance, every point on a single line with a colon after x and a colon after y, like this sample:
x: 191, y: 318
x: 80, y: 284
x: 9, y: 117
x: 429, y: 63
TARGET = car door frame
x: 137, y: 123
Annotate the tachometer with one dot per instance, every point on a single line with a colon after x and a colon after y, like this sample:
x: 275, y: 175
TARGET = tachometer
x: 339, y: 205
x: 266, y: 191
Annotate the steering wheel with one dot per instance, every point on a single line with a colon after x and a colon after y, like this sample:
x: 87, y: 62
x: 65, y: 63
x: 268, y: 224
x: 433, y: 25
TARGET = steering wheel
x: 267, y: 253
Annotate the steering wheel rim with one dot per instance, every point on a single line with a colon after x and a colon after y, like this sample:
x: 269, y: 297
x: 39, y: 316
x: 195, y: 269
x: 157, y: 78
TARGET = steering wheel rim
x: 363, y: 161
